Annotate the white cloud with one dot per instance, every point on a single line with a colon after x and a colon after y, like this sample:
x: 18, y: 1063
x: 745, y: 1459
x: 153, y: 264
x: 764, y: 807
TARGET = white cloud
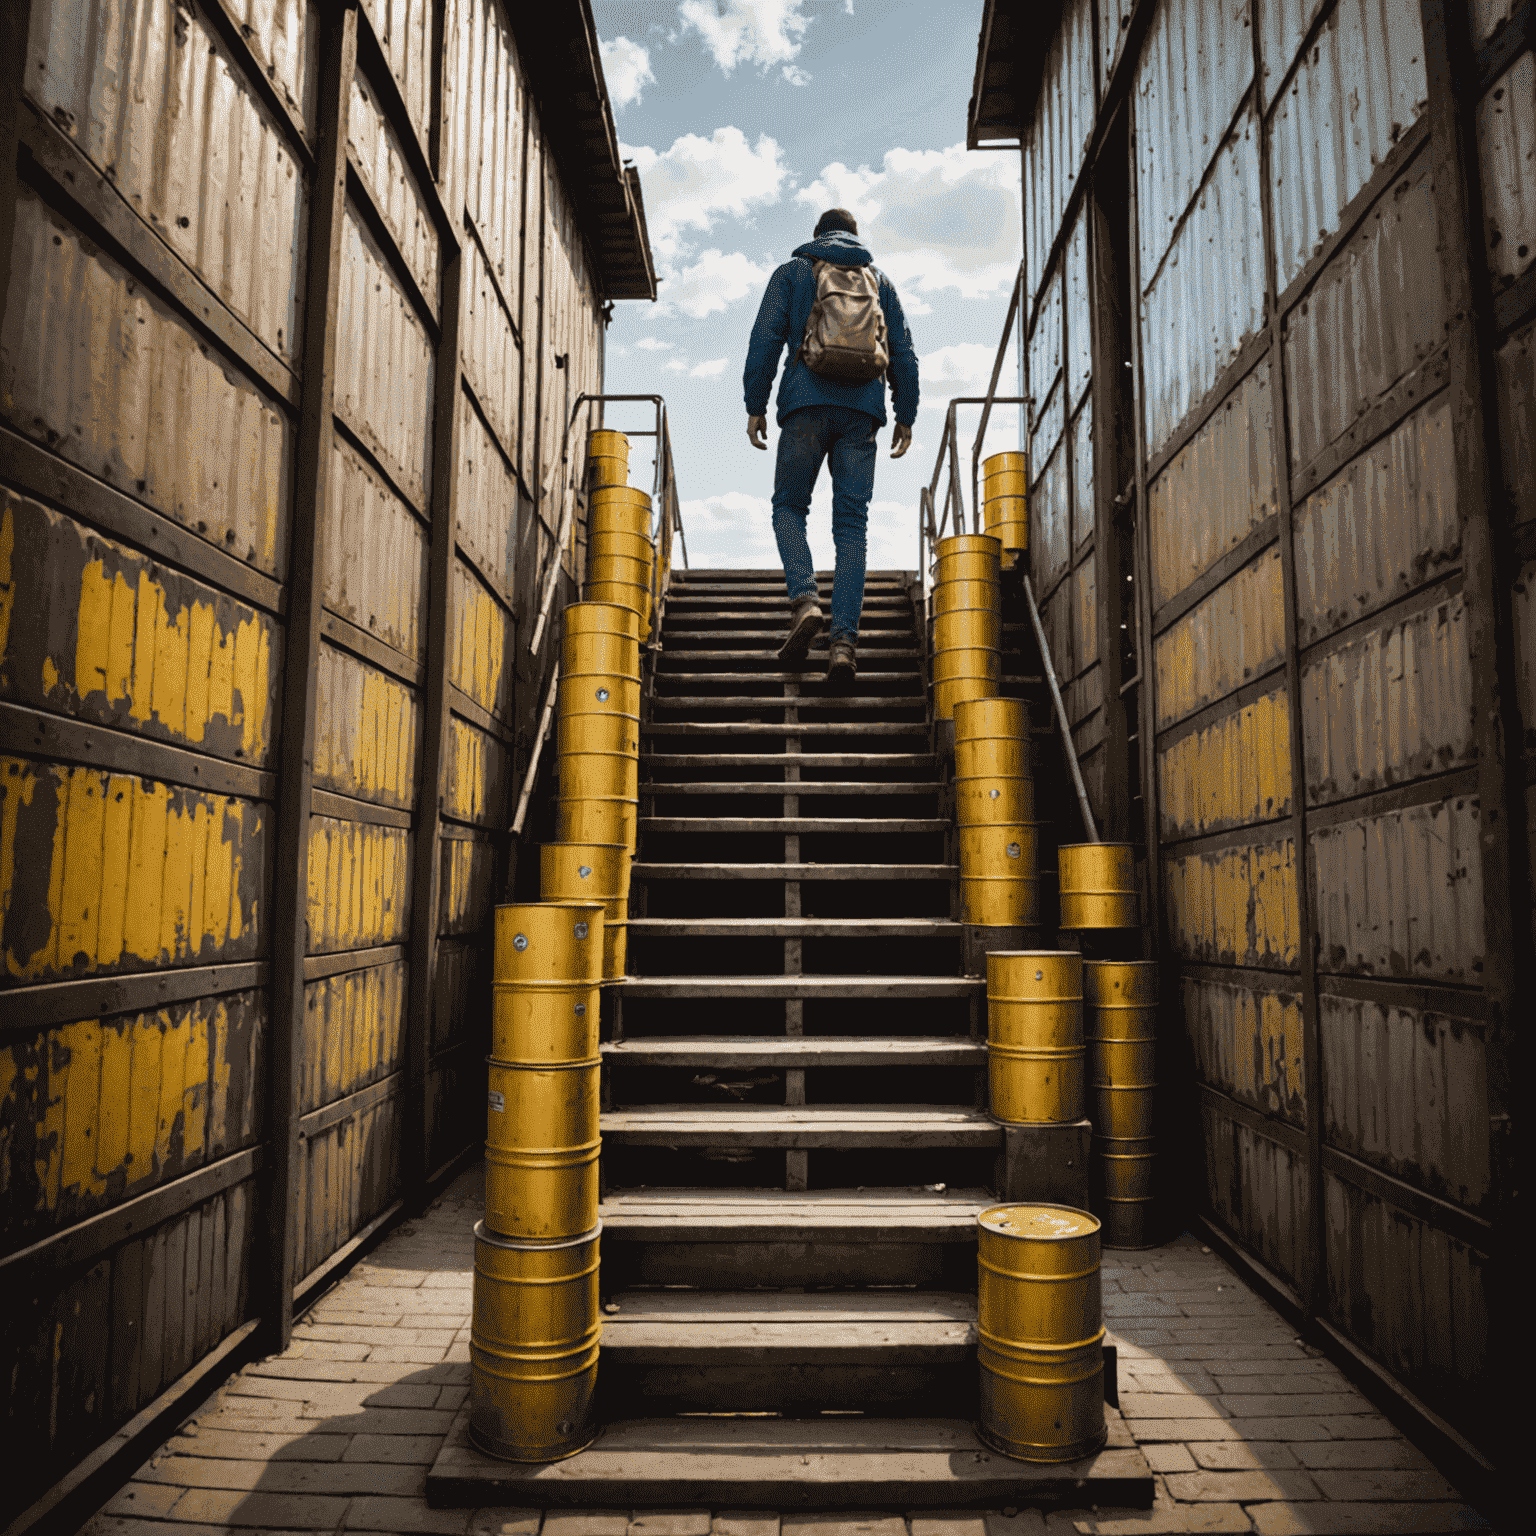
x: 676, y: 365
x: 795, y: 75
x: 713, y: 283
x: 627, y: 69
x: 710, y: 370
x: 652, y: 344
x: 935, y: 219
x: 733, y: 529
x: 697, y: 181
x: 965, y: 368
x: 761, y: 32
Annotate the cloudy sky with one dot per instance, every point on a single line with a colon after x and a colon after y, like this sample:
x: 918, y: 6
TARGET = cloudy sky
x: 747, y: 118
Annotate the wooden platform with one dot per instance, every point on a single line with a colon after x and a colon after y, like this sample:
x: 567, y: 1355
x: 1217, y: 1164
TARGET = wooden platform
x: 757, y: 1463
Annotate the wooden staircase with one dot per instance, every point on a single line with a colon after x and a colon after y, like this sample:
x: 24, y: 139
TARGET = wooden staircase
x: 795, y: 1137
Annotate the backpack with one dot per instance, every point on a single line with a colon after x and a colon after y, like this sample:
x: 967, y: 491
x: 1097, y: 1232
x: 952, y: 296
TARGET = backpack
x: 845, y: 338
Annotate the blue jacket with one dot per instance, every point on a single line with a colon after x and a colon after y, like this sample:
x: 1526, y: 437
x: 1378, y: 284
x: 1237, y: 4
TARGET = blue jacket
x: 781, y: 321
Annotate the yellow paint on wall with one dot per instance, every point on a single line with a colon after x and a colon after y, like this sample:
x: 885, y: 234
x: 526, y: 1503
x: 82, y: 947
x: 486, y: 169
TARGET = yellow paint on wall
x: 365, y: 738
x: 1235, y: 906
x: 358, y: 886
x: 1232, y: 772
x: 479, y: 653
x: 136, y: 871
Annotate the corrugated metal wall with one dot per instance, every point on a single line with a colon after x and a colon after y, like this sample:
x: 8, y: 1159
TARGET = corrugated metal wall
x: 1325, y: 655
x: 296, y: 308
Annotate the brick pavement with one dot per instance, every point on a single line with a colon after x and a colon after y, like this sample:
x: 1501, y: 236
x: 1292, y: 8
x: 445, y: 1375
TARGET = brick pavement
x: 1246, y: 1428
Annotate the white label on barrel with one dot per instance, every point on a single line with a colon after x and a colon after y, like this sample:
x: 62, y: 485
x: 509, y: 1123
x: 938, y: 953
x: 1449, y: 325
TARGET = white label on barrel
x: 1014, y: 850
x: 584, y: 870
x: 497, y: 1101
x: 581, y: 930
x: 520, y: 943
x: 602, y: 695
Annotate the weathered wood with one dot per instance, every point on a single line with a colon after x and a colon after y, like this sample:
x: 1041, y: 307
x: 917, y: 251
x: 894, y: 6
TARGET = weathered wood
x: 847, y: 1463
x: 762, y: 701
x: 800, y: 1051
x: 788, y: 824
x: 867, y: 656
x: 804, y: 679
x: 793, y: 871
x: 914, y: 731
x: 820, y: 1125
x: 803, y: 787
x: 917, y: 761
x: 795, y: 927
x: 850, y: 987
x: 1045, y: 1162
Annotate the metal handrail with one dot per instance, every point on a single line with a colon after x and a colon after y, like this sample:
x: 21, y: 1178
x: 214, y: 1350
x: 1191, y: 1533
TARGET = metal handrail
x: 929, y: 531
x: 663, y: 497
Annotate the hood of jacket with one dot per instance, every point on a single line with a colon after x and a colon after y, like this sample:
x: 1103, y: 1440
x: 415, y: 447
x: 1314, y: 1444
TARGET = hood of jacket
x: 838, y: 247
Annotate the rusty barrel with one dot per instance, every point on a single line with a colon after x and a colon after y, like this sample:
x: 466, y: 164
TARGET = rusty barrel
x: 592, y: 872
x: 1035, y: 1058
x: 1000, y: 874
x: 534, y: 1337
x: 1097, y: 882
x: 541, y: 1149
x: 1120, y: 1024
x: 1040, y: 1329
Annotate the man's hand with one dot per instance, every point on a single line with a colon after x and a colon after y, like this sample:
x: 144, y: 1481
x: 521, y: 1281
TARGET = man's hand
x: 757, y: 432
x: 901, y: 440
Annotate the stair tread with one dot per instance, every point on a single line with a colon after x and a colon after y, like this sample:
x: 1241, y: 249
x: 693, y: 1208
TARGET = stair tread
x: 794, y: 824
x: 919, y: 760
x: 786, y: 728
x: 778, y: 701
x: 695, y: 871
x: 865, y: 656
x: 790, y: 787
x: 780, y: 985
x: 821, y: 642
x: 803, y: 1126
x: 797, y: 1050
x: 796, y: 927
x: 623, y: 1208
x: 817, y: 676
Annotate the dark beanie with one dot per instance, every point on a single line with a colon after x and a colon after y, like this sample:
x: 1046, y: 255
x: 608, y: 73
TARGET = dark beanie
x: 836, y: 218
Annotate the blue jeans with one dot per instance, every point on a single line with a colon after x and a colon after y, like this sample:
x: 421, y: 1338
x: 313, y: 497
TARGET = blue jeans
x: 806, y: 437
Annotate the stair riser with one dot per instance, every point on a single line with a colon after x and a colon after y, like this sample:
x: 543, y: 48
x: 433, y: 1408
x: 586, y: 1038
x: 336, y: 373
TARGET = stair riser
x: 912, y: 1391
x: 819, y: 1017
x: 746, y: 1265
x: 629, y: 1166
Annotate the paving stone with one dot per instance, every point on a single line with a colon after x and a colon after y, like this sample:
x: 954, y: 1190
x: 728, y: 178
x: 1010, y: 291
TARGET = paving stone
x: 744, y: 1523
x: 1366, y: 1483
x: 1359, y: 1426
x: 1164, y: 1519
x: 669, y: 1522
x: 301, y: 1445
x: 1171, y: 1405
x: 1241, y: 1455
x: 401, y: 1450
x: 1169, y: 1458
x: 940, y: 1522
x: 383, y: 1421
x: 326, y: 1349
x: 114, y: 1525
x: 1274, y: 1404
x: 1281, y: 1381
x: 408, y: 1354
x: 1191, y: 1487
x: 287, y: 1476
x: 1147, y: 1430
x: 147, y: 1500
x: 843, y: 1523
x: 1364, y: 1453
x: 287, y: 1511
x: 410, y: 1516
x: 505, y: 1522
x: 586, y: 1522
x: 1329, y: 1519
x: 1017, y: 1522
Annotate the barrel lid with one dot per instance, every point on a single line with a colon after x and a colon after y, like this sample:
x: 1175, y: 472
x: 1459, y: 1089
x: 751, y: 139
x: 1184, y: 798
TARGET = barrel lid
x: 1045, y: 1222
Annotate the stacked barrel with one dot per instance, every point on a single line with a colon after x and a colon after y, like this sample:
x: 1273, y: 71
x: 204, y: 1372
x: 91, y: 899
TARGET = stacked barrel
x: 620, y: 554
x: 1040, y: 1332
x: 1005, y: 503
x: 967, y: 621
x: 1098, y: 886
x: 1120, y: 998
x: 1035, y: 1062
x: 536, y: 1323
x: 598, y: 726
x: 995, y: 814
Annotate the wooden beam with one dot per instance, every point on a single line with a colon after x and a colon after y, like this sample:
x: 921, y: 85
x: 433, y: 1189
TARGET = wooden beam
x: 338, y: 55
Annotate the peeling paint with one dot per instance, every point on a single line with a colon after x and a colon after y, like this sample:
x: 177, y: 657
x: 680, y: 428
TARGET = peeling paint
x: 483, y: 641
x: 1236, y: 906
x: 1235, y: 771
x: 1248, y: 1043
x: 353, y: 1032
x: 366, y: 730
x: 478, y: 769
x: 359, y: 885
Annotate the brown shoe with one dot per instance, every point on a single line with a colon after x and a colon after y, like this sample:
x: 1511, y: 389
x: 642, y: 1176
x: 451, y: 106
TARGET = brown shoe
x: 804, y: 626
x: 842, y: 667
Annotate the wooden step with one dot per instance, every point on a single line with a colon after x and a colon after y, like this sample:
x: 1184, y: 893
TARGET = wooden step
x: 778, y: 787
x: 919, y: 762
x: 850, y: 988
x: 802, y: 1126
x: 867, y: 658
x: 804, y: 679
x: 759, y: 604
x: 737, y: 1052
x: 761, y: 728
x: 793, y: 824
x: 778, y: 701
x: 775, y: 637
x: 877, y: 1216
x: 802, y: 872
x: 849, y: 1462
x: 795, y: 927
x: 730, y: 612
x: 710, y: 1329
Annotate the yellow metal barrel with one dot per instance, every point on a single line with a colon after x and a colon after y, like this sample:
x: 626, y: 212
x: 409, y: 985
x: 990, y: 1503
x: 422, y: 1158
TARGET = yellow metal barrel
x: 993, y: 799
x: 1007, y: 850
x: 1098, y: 885
x: 607, y: 458
x: 620, y: 496
x: 611, y: 541
x: 1035, y: 1054
x: 1120, y: 1021
x: 592, y: 872
x: 547, y: 941
x: 597, y: 733
x: 538, y: 1023
x: 614, y: 819
x: 607, y: 568
x: 632, y: 519
x: 1002, y: 511
x: 632, y: 594
x: 603, y: 774
x: 966, y: 557
x: 541, y: 1150
x: 598, y: 693
x: 948, y: 695
x: 1040, y: 1330
x: 603, y: 619
x: 960, y: 662
x: 534, y: 1338
x: 1005, y: 482
x: 1000, y: 902
x: 951, y: 595
x: 996, y: 720
x: 961, y: 629
x: 602, y: 651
